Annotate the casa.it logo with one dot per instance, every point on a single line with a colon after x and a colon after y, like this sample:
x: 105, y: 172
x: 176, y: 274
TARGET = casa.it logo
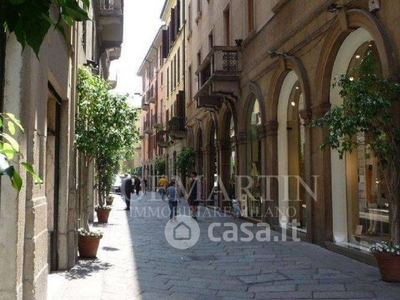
x: 182, y: 233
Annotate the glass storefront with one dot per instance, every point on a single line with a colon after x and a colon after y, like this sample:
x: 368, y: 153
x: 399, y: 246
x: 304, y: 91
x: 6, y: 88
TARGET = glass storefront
x: 253, y: 206
x: 296, y: 155
x: 367, y: 205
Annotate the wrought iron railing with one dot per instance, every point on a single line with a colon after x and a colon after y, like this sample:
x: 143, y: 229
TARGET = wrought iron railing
x: 222, y: 60
x: 107, y: 4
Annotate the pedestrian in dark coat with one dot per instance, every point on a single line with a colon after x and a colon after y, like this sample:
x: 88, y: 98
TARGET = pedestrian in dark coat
x: 136, y: 184
x: 127, y: 190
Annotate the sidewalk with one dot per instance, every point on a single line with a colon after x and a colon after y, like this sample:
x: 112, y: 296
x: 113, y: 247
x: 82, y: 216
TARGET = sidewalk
x: 135, y: 261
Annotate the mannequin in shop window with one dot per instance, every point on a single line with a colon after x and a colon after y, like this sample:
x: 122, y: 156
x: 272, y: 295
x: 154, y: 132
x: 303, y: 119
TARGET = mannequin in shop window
x: 254, y: 173
x: 256, y: 191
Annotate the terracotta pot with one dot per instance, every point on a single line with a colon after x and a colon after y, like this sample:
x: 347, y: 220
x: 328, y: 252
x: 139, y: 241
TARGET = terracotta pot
x: 88, y: 246
x: 102, y: 215
x: 389, y: 266
x: 110, y: 200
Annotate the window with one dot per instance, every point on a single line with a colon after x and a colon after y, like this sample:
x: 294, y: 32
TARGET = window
x: 190, y: 79
x: 199, y: 58
x: 199, y: 83
x: 178, y: 71
x: 227, y: 29
x: 198, y: 7
x: 161, y: 111
x: 84, y: 36
x: 211, y: 40
x: 198, y: 11
x: 190, y: 18
x: 250, y: 15
x: 175, y: 71
x: 167, y: 81
x: 172, y: 74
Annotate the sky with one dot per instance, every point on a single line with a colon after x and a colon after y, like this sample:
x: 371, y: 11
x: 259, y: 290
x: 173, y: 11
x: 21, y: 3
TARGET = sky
x: 141, y: 23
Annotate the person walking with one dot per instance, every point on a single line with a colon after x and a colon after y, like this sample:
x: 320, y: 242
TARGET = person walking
x: 144, y: 185
x: 137, y: 185
x: 172, y: 195
x: 162, y: 183
x: 194, y: 194
x: 127, y: 190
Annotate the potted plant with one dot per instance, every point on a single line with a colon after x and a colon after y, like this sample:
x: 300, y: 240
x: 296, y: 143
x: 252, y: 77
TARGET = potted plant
x: 388, y: 257
x: 368, y: 108
x: 104, y: 134
x: 158, y: 126
x: 108, y: 164
x: 88, y: 242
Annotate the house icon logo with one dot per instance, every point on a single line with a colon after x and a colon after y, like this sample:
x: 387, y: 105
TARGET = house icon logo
x: 182, y: 234
x: 182, y: 231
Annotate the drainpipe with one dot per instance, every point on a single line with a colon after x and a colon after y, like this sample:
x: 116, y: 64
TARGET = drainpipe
x: 2, y: 76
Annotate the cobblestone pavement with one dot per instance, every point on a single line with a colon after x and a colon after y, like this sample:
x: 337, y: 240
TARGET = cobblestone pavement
x: 135, y: 261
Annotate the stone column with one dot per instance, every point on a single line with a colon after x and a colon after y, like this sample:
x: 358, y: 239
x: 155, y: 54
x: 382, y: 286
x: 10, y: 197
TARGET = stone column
x: 207, y: 179
x: 241, y: 164
x: 305, y: 116
x: 272, y: 184
x: 321, y: 210
x: 262, y: 134
x: 224, y: 156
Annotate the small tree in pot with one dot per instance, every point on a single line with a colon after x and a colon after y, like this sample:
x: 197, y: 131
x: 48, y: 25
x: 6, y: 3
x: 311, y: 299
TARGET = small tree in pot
x: 105, y: 131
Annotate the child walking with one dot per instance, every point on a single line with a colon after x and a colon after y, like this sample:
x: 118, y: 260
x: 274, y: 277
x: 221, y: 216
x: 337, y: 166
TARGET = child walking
x: 172, y: 195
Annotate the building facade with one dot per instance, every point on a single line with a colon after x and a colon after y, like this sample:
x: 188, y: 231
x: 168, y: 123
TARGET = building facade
x: 257, y: 73
x: 152, y: 119
x: 38, y: 225
x: 163, y: 105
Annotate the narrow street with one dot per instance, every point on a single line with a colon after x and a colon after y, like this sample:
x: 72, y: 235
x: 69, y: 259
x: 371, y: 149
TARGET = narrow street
x: 135, y: 261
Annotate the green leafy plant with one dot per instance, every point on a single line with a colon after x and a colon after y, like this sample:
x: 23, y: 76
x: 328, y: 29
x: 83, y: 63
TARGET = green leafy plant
x: 30, y: 20
x: 159, y: 165
x: 158, y: 126
x: 367, y: 109
x: 185, y: 161
x: 9, y: 149
x: 105, y: 129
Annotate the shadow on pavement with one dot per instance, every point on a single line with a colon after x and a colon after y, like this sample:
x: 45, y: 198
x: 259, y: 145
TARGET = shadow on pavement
x: 85, y: 268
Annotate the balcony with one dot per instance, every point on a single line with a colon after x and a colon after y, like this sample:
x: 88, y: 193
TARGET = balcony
x: 218, y: 76
x: 145, y: 104
x: 149, y: 131
x: 176, y: 128
x: 153, y: 98
x: 141, y: 134
x: 110, y: 20
x: 161, y: 139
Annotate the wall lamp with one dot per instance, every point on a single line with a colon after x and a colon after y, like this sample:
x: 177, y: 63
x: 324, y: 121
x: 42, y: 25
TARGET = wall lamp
x: 238, y: 42
x: 334, y: 7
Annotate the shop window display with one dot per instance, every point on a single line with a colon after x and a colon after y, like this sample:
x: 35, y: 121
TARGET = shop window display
x: 367, y: 206
x: 254, y: 204
x: 296, y: 149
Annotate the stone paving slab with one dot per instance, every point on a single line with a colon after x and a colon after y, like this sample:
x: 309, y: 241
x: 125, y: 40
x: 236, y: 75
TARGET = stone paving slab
x: 135, y: 261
